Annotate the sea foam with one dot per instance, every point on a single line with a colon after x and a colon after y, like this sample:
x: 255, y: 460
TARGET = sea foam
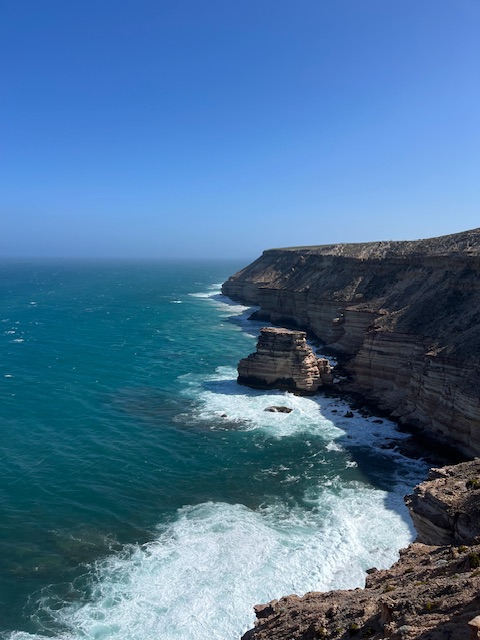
x: 213, y: 561
x: 202, y: 575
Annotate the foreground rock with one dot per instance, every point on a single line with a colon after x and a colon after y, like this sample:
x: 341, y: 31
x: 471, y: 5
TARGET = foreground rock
x: 445, y: 509
x: 284, y: 360
x: 431, y: 593
x: 404, y: 315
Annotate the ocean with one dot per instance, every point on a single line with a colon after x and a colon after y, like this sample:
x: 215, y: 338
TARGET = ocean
x: 144, y: 494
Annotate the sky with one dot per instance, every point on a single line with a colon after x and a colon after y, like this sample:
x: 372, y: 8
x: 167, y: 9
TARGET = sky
x: 220, y: 128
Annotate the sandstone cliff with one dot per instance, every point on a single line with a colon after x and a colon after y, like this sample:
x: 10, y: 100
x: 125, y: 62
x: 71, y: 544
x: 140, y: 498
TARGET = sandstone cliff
x: 404, y: 315
x: 283, y: 360
x: 431, y: 593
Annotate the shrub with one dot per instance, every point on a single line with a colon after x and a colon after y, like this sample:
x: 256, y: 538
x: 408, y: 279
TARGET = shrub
x: 474, y: 560
x: 474, y: 483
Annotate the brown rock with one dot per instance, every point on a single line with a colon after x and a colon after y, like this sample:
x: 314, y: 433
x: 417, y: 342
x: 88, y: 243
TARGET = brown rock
x: 445, y: 509
x: 431, y: 593
x: 283, y: 360
x: 405, y: 316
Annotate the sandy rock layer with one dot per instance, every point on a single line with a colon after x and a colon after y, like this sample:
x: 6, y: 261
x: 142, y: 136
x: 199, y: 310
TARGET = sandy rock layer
x: 284, y: 360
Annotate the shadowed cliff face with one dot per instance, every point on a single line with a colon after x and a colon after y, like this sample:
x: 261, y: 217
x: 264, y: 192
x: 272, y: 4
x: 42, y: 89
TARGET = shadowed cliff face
x: 406, y: 316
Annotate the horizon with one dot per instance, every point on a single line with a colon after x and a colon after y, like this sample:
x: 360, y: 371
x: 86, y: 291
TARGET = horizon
x: 177, y: 131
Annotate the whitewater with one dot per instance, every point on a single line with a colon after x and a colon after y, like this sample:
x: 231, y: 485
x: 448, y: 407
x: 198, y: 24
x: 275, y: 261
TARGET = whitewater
x: 149, y: 496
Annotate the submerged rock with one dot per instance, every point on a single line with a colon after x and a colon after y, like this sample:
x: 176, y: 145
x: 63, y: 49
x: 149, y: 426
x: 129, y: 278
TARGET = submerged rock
x: 277, y: 409
x: 284, y: 360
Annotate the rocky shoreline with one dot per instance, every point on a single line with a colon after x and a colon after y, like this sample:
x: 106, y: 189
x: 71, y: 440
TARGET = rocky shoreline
x: 431, y: 593
x: 404, y: 319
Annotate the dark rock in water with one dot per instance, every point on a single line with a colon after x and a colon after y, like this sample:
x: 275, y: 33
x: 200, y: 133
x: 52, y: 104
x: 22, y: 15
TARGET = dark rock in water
x: 378, y: 421
x: 260, y: 316
x: 284, y: 360
x: 349, y: 414
x: 277, y: 409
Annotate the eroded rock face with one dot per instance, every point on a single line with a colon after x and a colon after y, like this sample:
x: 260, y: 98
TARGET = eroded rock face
x: 405, y: 316
x: 431, y: 593
x: 445, y: 509
x: 283, y: 360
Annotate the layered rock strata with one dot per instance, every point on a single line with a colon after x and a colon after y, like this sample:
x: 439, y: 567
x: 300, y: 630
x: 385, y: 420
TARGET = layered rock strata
x: 405, y: 316
x: 431, y: 593
x: 283, y: 360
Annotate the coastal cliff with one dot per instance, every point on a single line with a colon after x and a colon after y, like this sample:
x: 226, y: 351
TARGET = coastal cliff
x: 403, y: 316
x: 431, y: 593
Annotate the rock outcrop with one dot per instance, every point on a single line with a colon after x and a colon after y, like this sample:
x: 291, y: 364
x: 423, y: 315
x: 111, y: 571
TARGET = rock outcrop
x: 404, y: 316
x: 431, y: 593
x: 445, y: 509
x: 283, y: 360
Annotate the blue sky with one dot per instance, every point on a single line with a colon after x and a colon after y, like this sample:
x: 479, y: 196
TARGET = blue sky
x: 220, y: 128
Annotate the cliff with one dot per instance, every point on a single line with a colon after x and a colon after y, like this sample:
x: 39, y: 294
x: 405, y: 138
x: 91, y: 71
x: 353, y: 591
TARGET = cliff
x: 404, y: 316
x: 284, y: 360
x: 431, y: 593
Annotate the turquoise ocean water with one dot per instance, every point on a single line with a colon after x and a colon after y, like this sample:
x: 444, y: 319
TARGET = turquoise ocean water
x: 144, y: 495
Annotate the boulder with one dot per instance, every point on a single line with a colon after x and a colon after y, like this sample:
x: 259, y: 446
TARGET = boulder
x: 278, y: 409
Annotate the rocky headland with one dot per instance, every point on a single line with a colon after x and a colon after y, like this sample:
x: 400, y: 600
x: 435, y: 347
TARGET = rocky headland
x: 284, y: 360
x: 431, y: 593
x: 404, y: 318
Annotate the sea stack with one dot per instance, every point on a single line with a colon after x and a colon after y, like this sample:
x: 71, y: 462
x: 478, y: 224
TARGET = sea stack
x: 283, y: 360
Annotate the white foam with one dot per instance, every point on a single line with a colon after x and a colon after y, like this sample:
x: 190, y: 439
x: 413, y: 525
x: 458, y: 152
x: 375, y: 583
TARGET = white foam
x: 202, y: 575
x: 220, y: 394
x: 333, y: 446
x: 209, y: 566
x: 220, y: 402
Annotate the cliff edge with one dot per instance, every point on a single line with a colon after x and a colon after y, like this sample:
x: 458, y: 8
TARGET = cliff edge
x: 431, y: 593
x: 405, y: 317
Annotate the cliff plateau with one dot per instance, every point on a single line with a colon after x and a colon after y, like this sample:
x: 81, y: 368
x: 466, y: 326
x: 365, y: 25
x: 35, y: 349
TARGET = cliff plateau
x: 403, y: 316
